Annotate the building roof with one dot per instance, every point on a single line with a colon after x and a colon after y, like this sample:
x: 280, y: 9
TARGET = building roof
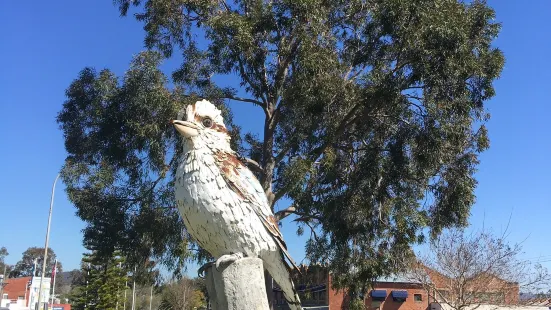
x: 16, y: 287
x: 544, y: 301
x: 397, y: 278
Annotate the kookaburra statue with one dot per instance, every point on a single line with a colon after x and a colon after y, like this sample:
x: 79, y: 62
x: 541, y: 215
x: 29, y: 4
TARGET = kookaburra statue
x: 223, y: 205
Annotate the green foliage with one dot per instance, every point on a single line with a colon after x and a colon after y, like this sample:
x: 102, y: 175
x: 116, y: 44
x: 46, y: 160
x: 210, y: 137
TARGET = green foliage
x: 357, y: 304
x: 3, y: 254
x: 77, y: 277
x: 103, y: 284
x: 143, y: 297
x: 185, y: 294
x: 24, y: 267
x: 374, y: 120
x: 119, y: 171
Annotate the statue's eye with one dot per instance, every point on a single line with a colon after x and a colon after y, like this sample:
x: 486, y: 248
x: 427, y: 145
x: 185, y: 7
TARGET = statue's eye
x: 207, y: 122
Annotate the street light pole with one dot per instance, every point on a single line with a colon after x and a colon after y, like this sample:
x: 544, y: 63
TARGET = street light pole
x: 46, y: 245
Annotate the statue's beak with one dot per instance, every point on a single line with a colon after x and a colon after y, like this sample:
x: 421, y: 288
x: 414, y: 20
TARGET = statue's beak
x: 186, y: 129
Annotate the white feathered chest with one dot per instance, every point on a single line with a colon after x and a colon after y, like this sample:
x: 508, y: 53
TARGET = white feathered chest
x: 215, y: 215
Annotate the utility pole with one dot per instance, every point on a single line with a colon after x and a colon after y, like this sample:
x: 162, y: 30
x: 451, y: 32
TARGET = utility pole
x: 46, y: 245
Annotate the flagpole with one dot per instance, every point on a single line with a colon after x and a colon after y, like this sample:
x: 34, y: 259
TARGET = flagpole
x: 31, y: 295
x: 134, y: 287
x: 118, y: 289
x: 54, y: 275
x: 87, y: 277
x: 125, y: 289
x: 46, y: 245
x: 151, y: 297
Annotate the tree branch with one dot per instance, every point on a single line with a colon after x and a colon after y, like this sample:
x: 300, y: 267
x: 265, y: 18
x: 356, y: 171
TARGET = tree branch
x: 279, y: 194
x: 312, y: 231
x: 283, y: 66
x: 253, y: 86
x: 253, y: 101
x: 146, y: 193
x: 281, y: 214
x: 252, y: 164
x: 338, y: 131
x: 225, y: 5
x: 390, y: 116
x: 279, y: 157
x: 348, y: 77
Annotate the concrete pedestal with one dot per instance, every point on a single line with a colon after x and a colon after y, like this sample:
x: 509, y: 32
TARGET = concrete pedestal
x: 237, y: 286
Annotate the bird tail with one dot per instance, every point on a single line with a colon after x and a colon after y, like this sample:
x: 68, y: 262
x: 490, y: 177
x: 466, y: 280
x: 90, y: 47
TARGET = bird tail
x: 279, y: 271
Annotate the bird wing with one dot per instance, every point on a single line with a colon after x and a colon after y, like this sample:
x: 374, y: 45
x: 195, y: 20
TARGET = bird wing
x: 243, y: 182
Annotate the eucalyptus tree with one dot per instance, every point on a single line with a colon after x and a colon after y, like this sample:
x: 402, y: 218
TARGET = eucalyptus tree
x: 373, y: 114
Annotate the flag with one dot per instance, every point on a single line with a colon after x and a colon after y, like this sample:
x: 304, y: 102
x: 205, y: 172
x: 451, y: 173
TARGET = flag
x: 54, y: 270
x: 34, y: 268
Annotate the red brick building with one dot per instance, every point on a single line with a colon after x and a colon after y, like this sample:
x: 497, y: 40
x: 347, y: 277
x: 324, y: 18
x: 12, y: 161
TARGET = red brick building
x: 315, y: 290
x: 16, y: 289
x: 17, y: 293
x: 386, y: 295
x: 487, y: 289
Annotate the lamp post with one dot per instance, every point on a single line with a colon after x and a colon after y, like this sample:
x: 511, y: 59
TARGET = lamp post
x: 46, y: 245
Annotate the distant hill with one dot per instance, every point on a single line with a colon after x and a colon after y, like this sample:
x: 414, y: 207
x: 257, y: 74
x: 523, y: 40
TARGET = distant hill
x: 67, y: 278
x: 531, y: 296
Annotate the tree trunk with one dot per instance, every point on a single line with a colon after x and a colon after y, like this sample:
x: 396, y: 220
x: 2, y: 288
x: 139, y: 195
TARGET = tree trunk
x: 237, y: 286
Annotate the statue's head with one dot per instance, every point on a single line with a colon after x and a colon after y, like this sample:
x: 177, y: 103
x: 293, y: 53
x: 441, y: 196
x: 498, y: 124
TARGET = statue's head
x: 203, y: 126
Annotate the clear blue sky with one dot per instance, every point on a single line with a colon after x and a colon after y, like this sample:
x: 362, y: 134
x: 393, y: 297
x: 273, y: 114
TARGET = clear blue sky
x: 45, y: 44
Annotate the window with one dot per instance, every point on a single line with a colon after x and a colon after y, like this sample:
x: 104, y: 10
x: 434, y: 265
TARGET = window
x: 417, y: 297
x: 378, y: 295
x: 322, y: 295
x: 5, y: 296
x: 375, y: 304
x: 21, y: 297
x: 399, y: 296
